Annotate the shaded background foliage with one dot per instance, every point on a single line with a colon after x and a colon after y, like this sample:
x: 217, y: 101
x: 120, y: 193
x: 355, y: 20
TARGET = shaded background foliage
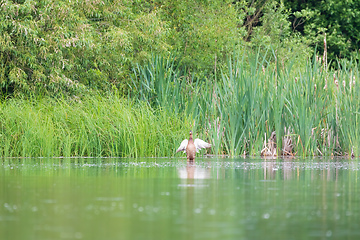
x: 72, y: 47
x: 339, y: 20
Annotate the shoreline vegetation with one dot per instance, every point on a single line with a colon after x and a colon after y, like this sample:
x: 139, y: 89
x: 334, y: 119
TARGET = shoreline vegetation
x: 132, y: 78
x: 253, y: 107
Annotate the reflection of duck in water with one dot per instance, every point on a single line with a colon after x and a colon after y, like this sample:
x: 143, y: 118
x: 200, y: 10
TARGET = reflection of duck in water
x: 191, y: 147
x: 192, y: 171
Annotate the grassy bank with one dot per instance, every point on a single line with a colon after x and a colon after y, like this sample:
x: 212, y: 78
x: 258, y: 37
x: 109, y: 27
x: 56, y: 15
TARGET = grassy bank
x: 92, y: 126
x: 314, y: 108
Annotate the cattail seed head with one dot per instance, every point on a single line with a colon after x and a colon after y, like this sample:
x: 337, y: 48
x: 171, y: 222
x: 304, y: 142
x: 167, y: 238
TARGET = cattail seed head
x: 336, y: 81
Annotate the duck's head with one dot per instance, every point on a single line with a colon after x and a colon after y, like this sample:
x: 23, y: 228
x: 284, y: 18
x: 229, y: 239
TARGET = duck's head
x: 191, y: 135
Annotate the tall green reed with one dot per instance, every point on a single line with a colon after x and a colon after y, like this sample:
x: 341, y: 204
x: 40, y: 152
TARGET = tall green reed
x: 161, y: 85
x: 346, y: 115
x: 158, y: 83
x: 255, y: 97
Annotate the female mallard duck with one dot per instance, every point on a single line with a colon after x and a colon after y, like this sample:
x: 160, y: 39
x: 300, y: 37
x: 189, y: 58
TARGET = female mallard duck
x: 191, y: 147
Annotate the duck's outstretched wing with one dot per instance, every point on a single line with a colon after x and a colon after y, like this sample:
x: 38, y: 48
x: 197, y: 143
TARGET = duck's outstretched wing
x: 201, y: 144
x: 183, y: 145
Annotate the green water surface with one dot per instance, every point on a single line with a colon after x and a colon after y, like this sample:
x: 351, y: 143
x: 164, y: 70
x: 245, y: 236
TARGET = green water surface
x: 168, y: 198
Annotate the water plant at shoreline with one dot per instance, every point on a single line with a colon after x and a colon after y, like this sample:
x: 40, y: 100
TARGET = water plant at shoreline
x: 314, y: 108
x: 254, y: 98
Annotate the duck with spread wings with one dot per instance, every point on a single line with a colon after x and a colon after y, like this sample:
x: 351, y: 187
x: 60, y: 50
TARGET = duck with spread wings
x: 191, y: 146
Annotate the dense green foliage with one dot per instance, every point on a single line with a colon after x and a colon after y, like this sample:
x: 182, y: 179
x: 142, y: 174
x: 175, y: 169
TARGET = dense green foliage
x: 71, y: 47
x: 339, y: 20
x: 52, y: 47
x: 132, y: 77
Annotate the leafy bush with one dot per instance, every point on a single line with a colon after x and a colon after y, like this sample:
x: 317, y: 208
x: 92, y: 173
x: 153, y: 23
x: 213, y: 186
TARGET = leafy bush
x: 73, y: 47
x: 202, y: 32
x: 68, y: 46
x: 339, y: 20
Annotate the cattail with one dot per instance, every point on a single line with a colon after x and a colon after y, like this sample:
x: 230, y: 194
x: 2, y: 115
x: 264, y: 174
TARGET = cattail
x: 325, y: 87
x: 325, y: 53
x: 336, y: 81
x: 350, y: 84
x: 353, y: 81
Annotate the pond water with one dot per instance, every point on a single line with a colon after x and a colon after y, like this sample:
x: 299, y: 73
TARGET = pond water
x: 168, y: 198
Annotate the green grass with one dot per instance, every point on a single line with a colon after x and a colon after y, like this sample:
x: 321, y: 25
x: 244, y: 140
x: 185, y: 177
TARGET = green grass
x: 237, y: 112
x: 93, y: 126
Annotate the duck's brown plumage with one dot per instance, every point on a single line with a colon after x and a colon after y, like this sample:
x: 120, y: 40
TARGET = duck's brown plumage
x: 190, y: 148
